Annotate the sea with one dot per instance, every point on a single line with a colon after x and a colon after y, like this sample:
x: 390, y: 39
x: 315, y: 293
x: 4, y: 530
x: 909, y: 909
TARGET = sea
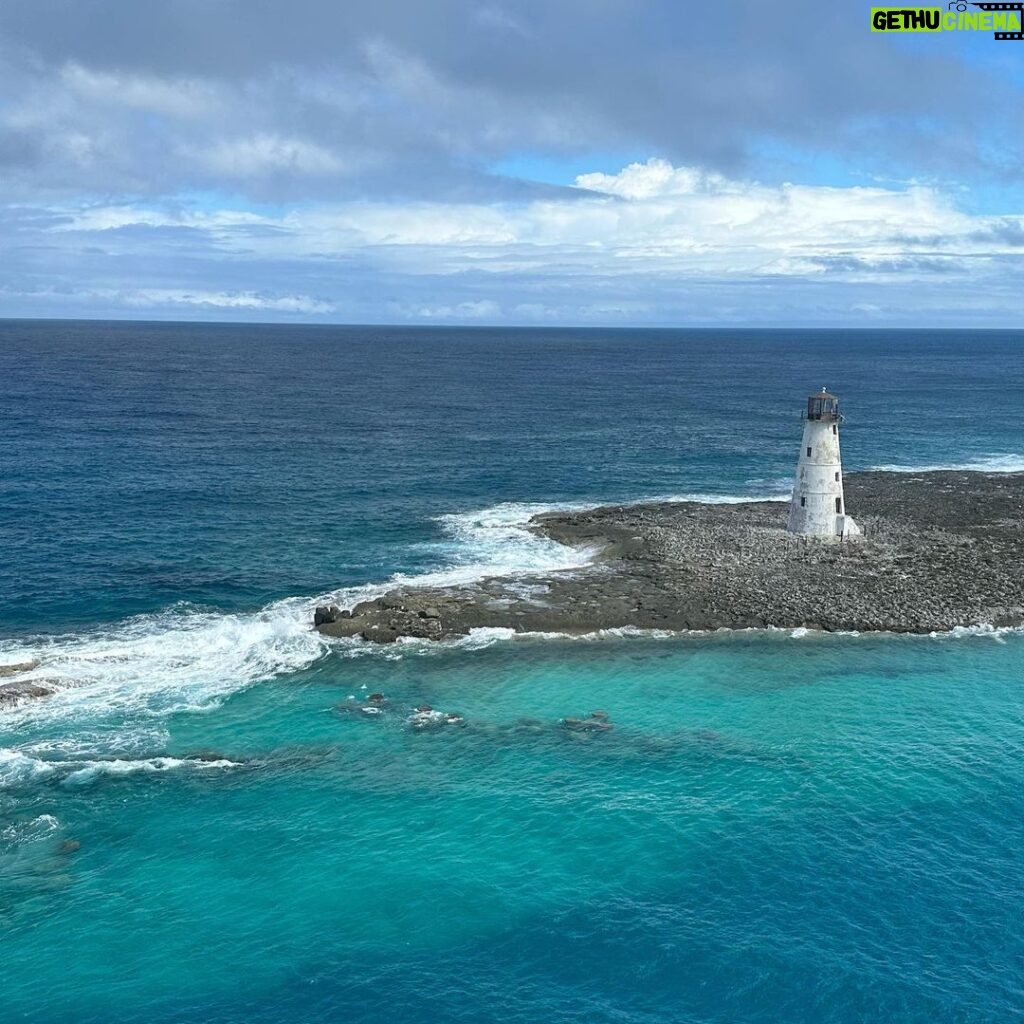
x: 783, y: 826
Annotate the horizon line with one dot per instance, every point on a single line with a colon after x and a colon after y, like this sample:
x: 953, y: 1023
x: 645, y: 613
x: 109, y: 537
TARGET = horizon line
x: 499, y: 326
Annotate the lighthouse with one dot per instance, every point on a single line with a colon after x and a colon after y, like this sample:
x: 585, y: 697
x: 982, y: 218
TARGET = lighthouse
x: 818, y: 508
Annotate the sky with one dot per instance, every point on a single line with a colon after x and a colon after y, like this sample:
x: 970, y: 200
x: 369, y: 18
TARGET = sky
x: 560, y: 162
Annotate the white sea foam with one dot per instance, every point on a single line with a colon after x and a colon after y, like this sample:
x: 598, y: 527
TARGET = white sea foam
x: 498, y: 541
x: 119, y: 767
x: 31, y: 831
x: 184, y: 659
x: 998, y: 463
x: 177, y: 660
x: 985, y: 629
x: 17, y: 769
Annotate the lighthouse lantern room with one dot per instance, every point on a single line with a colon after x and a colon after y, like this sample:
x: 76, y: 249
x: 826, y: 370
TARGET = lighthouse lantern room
x: 818, y: 507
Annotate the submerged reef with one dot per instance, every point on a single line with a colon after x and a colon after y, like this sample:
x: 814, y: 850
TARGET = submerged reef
x: 939, y: 550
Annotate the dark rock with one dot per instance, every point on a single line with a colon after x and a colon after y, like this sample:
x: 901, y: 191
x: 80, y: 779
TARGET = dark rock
x: 69, y: 846
x: 325, y: 613
x: 17, y: 668
x: 15, y: 693
x: 208, y: 755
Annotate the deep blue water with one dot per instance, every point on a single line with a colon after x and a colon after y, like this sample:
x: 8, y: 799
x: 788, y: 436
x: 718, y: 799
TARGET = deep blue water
x: 230, y: 465
x: 780, y: 828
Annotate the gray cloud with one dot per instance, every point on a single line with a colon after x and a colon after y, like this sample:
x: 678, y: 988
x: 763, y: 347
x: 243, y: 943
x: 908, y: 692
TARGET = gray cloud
x: 312, y: 159
x: 314, y: 98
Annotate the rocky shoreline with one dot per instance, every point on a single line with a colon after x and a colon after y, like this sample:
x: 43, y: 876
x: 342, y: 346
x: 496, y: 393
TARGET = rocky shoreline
x: 939, y: 550
x: 19, y: 690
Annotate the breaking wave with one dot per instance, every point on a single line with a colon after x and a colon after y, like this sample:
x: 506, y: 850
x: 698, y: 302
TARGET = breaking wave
x: 1004, y: 463
x: 19, y: 768
x: 189, y: 659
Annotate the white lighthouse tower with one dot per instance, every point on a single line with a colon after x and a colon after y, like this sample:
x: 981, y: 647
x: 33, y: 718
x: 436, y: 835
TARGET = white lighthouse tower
x: 818, y: 508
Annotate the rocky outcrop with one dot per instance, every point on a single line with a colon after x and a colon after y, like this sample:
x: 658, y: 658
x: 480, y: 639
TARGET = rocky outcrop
x: 939, y: 550
x: 14, y: 693
x: 329, y: 613
x: 17, y: 668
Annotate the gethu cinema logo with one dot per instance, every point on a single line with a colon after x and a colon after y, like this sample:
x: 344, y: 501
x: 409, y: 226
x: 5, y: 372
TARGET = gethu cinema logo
x: 1003, y: 19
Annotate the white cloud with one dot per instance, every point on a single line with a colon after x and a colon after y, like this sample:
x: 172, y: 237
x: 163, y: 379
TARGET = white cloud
x: 678, y: 220
x: 621, y: 254
x: 656, y: 177
x: 225, y: 300
x: 482, y: 310
x: 258, y: 154
x: 162, y: 298
x: 178, y: 97
x: 675, y: 219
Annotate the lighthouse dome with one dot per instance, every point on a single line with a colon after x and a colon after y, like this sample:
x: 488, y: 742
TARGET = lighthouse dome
x: 823, y: 406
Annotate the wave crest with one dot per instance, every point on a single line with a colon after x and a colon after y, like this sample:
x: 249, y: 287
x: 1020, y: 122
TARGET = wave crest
x: 998, y: 463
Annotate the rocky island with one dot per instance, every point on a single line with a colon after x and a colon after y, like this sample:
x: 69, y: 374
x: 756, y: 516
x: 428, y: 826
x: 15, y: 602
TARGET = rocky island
x: 937, y: 550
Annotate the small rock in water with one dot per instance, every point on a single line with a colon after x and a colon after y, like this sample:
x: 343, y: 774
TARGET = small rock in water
x: 18, y: 667
x: 69, y: 846
x: 591, y: 724
x: 426, y: 720
x: 325, y: 613
x: 14, y: 693
x: 425, y: 717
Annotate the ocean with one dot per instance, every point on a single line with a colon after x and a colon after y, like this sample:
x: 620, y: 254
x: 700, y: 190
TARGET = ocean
x: 782, y: 826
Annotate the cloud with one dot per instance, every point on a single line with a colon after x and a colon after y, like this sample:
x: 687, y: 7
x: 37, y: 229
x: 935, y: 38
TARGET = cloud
x: 174, y: 298
x: 331, y: 160
x: 315, y: 99
x: 654, y: 178
x: 173, y: 96
x: 652, y: 243
x: 256, y: 155
x: 484, y: 309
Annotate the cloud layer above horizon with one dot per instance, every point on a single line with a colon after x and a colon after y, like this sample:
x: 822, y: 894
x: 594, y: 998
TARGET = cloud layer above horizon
x: 603, y: 162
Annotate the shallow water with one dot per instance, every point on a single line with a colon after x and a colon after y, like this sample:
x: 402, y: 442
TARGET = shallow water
x: 781, y: 826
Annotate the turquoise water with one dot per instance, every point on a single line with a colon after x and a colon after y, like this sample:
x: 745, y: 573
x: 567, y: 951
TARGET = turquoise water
x: 780, y: 827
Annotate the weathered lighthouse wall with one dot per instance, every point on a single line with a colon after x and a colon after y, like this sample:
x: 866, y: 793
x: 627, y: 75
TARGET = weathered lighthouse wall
x: 818, y: 508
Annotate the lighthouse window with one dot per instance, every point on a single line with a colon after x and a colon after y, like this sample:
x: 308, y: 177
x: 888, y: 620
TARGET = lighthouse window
x: 835, y: 429
x: 803, y: 502
x: 839, y: 505
x: 808, y: 453
x: 837, y: 478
